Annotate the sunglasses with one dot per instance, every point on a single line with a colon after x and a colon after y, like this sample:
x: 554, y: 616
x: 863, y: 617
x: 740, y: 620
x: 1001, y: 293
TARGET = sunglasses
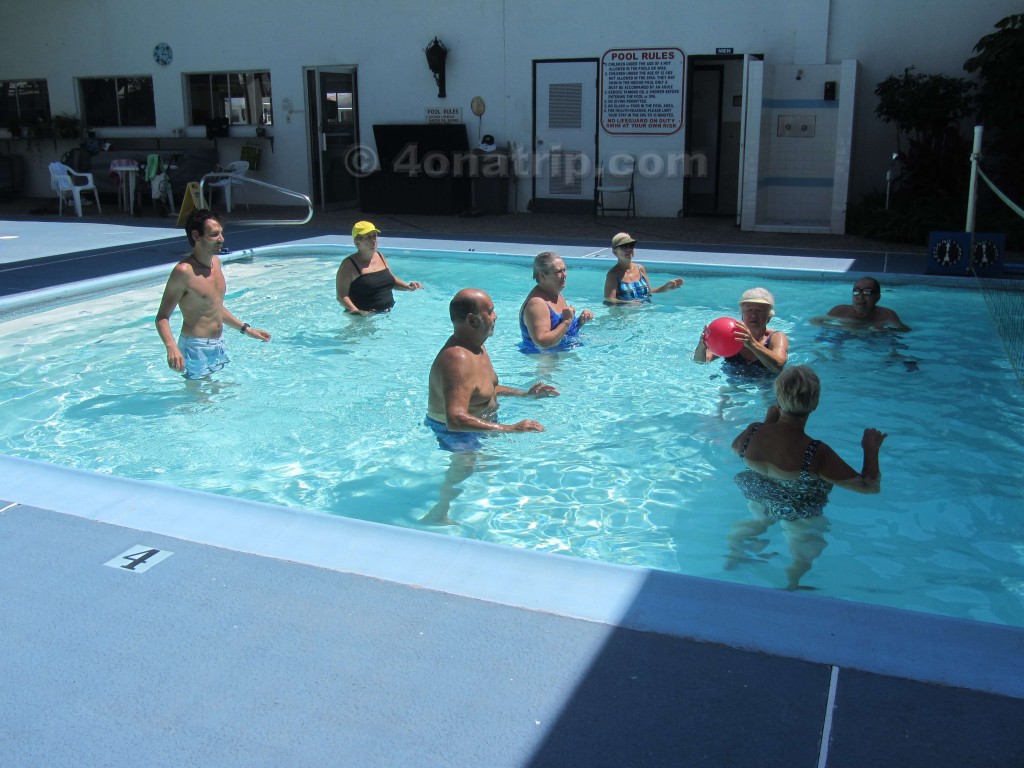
x: 864, y: 291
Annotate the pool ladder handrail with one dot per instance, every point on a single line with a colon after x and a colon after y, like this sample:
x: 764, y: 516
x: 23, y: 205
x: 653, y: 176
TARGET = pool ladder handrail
x: 249, y: 180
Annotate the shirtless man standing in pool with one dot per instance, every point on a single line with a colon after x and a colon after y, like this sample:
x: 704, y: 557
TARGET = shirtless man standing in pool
x: 464, y: 389
x: 196, y: 287
x: 865, y: 310
x: 463, y: 395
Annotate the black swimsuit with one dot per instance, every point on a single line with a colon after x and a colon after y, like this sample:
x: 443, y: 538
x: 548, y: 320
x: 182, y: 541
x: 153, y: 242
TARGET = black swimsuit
x: 372, y: 292
x: 739, y: 364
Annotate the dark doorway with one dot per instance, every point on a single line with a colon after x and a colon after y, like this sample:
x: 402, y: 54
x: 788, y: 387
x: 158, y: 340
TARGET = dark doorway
x: 333, y: 135
x: 713, y: 128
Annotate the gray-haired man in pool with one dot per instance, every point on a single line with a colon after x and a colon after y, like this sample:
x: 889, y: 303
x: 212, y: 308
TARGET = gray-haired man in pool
x: 196, y: 287
x: 463, y: 392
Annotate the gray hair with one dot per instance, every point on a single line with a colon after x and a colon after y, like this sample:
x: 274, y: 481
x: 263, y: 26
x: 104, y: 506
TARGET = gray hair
x: 797, y: 389
x: 543, y: 262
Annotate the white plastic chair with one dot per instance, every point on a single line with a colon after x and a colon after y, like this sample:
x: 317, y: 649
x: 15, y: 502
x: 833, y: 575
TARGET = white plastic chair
x: 62, y: 183
x: 617, y: 179
x: 237, y: 169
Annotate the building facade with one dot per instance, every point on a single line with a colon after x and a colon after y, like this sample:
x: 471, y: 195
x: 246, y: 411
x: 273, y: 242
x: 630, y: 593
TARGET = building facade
x: 764, y: 112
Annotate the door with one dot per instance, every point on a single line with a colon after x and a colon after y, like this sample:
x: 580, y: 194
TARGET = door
x: 333, y: 133
x: 750, y: 131
x: 713, y: 135
x: 564, y: 135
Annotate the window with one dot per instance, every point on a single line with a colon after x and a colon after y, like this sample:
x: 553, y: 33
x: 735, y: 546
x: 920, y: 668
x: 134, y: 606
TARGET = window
x: 241, y: 97
x: 23, y: 102
x: 117, y: 101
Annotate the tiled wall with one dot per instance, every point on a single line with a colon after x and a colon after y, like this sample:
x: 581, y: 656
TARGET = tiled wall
x: 803, y: 176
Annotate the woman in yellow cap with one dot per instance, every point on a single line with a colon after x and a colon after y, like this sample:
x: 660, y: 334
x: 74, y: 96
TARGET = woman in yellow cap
x: 627, y: 281
x: 364, y: 282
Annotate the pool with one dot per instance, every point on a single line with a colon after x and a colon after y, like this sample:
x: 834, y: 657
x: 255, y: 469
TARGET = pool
x: 634, y: 467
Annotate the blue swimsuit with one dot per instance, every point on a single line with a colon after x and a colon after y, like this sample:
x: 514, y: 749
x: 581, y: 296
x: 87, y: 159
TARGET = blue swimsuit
x: 568, y: 341
x: 202, y: 356
x: 636, y: 291
x: 802, y: 497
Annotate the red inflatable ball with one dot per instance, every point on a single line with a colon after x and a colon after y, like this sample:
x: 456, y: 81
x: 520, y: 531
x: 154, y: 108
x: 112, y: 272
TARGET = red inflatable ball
x: 719, y: 337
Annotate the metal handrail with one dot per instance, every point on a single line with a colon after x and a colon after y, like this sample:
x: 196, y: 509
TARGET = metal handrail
x: 257, y: 182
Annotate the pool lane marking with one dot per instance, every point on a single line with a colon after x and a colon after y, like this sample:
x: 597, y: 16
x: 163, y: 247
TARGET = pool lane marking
x: 139, y: 558
x: 826, y: 729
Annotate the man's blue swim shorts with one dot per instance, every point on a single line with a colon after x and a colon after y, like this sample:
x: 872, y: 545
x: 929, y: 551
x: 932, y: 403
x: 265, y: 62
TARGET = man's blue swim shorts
x: 202, y: 356
x: 456, y: 442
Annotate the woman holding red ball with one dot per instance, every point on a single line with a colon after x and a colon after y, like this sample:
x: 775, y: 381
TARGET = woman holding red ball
x: 758, y: 347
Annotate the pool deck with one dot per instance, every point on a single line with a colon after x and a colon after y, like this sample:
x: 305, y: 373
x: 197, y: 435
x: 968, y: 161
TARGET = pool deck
x: 266, y: 636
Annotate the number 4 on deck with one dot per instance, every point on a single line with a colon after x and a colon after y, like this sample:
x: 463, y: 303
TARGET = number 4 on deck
x: 139, y: 558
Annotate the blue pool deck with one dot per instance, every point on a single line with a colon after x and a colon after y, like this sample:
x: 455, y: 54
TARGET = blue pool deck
x: 254, y: 635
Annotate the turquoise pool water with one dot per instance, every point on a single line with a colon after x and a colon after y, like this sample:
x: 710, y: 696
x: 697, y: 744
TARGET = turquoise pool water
x: 635, y: 465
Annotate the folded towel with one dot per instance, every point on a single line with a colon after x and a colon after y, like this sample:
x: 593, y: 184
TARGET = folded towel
x: 152, y: 166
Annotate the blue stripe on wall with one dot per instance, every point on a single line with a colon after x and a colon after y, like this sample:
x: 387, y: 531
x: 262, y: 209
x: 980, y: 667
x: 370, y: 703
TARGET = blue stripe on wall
x: 799, y: 104
x: 794, y: 181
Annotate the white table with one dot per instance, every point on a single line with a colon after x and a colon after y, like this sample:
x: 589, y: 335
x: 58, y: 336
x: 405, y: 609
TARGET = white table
x: 127, y: 171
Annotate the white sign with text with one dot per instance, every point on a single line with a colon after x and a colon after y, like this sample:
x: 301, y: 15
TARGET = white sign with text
x: 642, y: 90
x: 443, y: 115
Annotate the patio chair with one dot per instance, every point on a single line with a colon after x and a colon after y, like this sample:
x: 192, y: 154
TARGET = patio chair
x: 617, y: 179
x: 64, y: 181
x: 237, y: 169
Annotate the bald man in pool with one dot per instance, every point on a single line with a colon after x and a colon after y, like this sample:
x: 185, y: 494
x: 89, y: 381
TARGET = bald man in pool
x: 464, y: 388
x: 196, y: 287
x: 463, y: 395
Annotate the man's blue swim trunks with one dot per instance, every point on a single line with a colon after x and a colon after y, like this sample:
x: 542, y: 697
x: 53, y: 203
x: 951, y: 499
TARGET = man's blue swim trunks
x: 202, y: 356
x: 456, y: 442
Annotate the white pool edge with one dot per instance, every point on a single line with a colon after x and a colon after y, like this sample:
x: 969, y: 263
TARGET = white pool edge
x: 692, y: 262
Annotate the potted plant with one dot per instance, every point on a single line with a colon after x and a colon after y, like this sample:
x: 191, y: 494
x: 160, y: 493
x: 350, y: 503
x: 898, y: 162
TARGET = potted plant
x: 66, y: 126
x: 36, y: 130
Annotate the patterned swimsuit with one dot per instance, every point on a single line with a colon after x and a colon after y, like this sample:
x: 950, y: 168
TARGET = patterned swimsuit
x: 802, y: 497
x: 639, y: 290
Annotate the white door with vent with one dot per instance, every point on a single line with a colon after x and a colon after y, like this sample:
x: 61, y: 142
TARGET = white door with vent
x: 565, y: 135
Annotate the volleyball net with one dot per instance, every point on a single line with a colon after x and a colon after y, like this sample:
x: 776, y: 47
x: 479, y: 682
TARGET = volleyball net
x: 1004, y: 296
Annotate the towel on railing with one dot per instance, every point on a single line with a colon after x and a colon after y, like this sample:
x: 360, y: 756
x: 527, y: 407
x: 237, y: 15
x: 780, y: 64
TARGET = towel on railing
x: 152, y: 166
x: 251, y: 155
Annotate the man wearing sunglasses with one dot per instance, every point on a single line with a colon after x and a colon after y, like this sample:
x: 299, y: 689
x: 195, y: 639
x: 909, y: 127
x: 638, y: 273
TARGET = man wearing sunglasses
x: 865, y: 309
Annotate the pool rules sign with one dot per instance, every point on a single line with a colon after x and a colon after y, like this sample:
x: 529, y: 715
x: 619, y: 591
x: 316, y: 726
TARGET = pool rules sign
x: 642, y: 91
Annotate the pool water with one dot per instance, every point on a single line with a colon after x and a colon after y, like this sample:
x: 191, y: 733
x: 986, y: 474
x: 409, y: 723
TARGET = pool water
x: 635, y: 465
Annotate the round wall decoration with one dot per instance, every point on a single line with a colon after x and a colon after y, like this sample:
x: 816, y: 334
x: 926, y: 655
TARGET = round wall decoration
x: 162, y: 54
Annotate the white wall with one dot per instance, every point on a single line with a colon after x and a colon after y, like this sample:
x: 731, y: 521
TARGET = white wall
x: 886, y: 37
x: 491, y: 47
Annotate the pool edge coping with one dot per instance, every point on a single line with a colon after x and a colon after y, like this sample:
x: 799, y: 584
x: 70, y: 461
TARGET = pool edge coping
x: 702, y: 262
x: 897, y: 643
